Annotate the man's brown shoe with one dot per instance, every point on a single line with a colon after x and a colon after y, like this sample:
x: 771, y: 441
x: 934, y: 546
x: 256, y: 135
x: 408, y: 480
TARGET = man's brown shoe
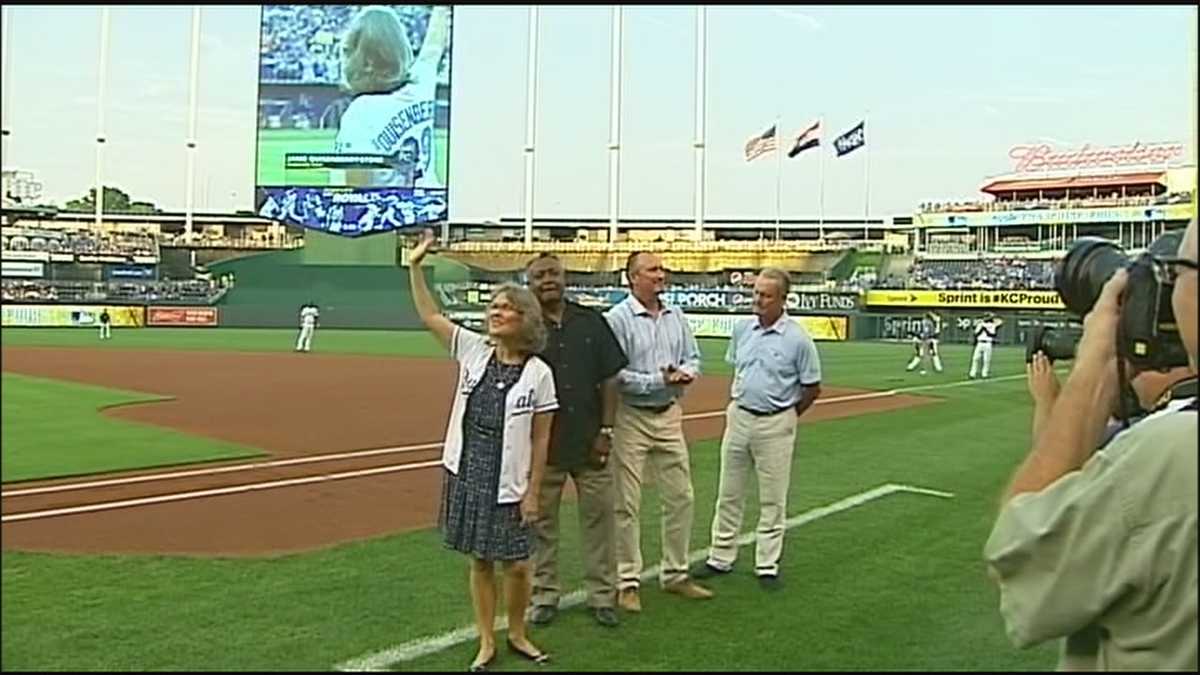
x: 629, y: 600
x: 689, y: 589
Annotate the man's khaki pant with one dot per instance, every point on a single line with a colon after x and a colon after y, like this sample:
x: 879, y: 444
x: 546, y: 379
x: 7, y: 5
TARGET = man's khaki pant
x: 638, y: 435
x: 764, y: 445
x: 596, y: 518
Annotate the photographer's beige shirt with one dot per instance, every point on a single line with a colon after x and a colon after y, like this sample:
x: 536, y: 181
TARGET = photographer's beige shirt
x: 1106, y: 556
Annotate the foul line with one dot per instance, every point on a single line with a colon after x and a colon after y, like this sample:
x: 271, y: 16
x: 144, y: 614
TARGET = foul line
x: 415, y: 649
x: 143, y: 501
x: 354, y: 454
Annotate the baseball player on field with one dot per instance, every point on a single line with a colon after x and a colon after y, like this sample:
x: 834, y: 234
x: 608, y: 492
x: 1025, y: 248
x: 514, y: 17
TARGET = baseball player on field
x: 308, y: 325
x: 395, y: 94
x: 986, y: 330
x: 105, y: 325
x: 927, y: 343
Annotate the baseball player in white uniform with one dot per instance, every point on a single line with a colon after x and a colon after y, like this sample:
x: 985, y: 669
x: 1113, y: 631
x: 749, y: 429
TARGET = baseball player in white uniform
x: 395, y: 99
x: 986, y: 330
x: 927, y: 343
x: 308, y: 325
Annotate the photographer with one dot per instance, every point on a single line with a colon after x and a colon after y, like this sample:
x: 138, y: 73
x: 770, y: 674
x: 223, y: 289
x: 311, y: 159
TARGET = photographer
x: 1100, y: 547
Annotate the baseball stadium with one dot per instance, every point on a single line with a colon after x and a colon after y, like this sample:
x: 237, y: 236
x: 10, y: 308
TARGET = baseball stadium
x: 194, y: 493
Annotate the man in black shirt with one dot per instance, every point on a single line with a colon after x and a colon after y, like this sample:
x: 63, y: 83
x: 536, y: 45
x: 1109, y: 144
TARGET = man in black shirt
x: 105, y: 325
x: 585, y: 358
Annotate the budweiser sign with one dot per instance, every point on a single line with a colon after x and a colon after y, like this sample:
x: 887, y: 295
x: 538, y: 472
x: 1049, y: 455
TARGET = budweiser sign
x: 1045, y: 158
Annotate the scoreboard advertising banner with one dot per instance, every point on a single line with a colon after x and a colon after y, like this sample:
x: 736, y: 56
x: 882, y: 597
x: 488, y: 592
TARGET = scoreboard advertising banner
x: 354, y: 116
x: 979, y: 299
x: 714, y: 325
x: 66, y: 316
x: 181, y: 316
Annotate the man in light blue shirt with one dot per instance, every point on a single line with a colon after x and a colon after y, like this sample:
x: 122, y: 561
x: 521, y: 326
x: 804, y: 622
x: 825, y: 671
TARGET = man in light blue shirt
x: 777, y: 376
x: 663, y: 360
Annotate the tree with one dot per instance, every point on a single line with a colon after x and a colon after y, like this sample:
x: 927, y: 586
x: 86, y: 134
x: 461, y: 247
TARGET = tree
x: 115, y: 201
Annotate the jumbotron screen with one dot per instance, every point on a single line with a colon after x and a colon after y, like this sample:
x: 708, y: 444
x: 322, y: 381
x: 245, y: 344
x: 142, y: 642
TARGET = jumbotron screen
x: 354, y: 116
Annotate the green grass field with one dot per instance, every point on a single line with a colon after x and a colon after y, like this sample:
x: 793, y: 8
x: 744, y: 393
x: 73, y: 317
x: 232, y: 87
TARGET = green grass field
x: 53, y: 429
x: 894, y: 584
x: 274, y: 144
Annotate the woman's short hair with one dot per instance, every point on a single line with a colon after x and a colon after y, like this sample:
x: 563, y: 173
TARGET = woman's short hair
x: 532, y: 339
x: 376, y: 53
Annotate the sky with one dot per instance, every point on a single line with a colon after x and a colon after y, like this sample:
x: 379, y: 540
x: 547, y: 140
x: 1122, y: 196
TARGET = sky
x: 946, y: 92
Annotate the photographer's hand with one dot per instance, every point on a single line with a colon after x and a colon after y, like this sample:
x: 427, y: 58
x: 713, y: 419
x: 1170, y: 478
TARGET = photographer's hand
x: 1098, y: 346
x: 1043, y: 387
x: 1076, y: 422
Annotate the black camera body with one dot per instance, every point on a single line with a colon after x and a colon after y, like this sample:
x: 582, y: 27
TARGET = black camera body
x: 1147, y: 335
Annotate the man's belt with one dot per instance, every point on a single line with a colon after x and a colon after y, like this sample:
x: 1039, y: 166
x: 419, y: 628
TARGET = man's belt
x: 655, y: 409
x: 762, y: 413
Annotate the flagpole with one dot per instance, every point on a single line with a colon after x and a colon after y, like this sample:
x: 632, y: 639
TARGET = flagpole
x: 821, y: 194
x: 867, y: 182
x: 778, y: 174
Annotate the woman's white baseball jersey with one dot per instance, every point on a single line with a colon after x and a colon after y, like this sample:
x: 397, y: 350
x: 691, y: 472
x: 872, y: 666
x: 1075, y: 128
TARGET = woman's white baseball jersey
x: 396, y: 123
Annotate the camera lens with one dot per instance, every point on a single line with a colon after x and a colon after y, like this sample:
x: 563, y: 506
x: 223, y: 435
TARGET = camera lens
x: 1084, y: 271
x: 1058, y: 344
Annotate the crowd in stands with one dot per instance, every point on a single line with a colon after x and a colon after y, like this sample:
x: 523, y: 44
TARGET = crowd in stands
x: 624, y: 247
x: 301, y: 43
x: 1113, y: 199
x: 79, y: 242
x: 988, y: 273
x: 210, y: 240
x: 176, y: 292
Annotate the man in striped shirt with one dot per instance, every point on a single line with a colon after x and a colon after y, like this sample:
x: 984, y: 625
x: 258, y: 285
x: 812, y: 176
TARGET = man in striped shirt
x: 664, y: 359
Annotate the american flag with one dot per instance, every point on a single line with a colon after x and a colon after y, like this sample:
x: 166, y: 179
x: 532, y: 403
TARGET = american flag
x: 761, y: 144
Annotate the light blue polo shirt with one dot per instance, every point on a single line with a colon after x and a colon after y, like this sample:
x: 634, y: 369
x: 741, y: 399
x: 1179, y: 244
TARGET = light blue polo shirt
x: 771, y: 364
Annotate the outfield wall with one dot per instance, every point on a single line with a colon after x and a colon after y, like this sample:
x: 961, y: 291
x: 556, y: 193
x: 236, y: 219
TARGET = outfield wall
x: 269, y: 289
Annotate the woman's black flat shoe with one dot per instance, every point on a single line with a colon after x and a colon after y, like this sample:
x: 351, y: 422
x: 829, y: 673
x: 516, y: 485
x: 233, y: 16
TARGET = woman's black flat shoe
x: 482, y: 667
x: 543, y: 657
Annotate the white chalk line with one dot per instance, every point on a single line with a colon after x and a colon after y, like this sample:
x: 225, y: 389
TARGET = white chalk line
x: 235, y: 489
x: 110, y: 482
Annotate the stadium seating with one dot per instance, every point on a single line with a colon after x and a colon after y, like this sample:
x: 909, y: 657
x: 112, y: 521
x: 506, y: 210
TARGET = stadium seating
x: 1114, y: 199
x: 987, y: 273
x: 169, y: 292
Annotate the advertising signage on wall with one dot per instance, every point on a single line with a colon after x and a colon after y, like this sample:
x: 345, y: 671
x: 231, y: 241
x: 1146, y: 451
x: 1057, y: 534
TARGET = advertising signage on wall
x: 982, y: 299
x: 1043, y: 157
x: 822, y: 328
x: 741, y: 300
x: 1081, y: 216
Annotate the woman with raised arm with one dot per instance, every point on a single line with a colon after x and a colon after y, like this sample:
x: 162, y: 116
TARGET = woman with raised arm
x: 495, y: 449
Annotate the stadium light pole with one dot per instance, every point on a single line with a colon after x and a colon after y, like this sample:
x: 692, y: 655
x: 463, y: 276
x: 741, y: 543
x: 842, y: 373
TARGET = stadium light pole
x: 100, y: 87
x: 6, y: 125
x: 614, y: 125
x: 701, y: 87
x: 193, y: 102
x: 530, y: 121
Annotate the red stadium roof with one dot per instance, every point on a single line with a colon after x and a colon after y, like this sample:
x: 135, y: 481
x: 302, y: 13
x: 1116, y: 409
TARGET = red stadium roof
x: 1073, y: 182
